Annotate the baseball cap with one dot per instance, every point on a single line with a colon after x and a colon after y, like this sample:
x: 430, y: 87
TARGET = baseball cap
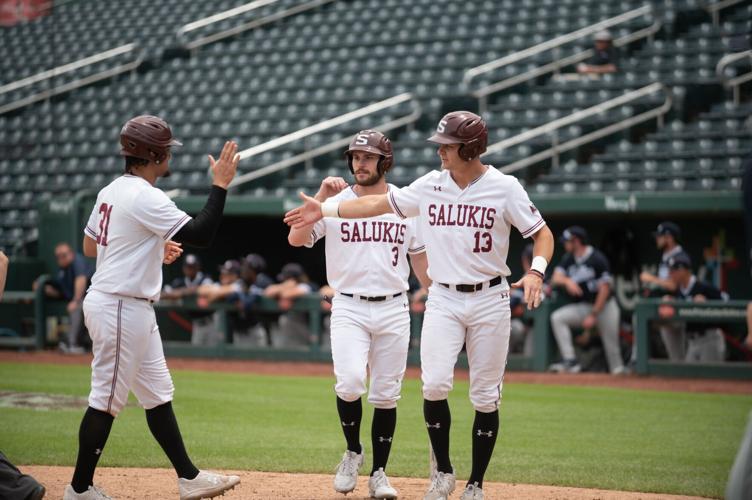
x: 603, y: 36
x: 574, y: 232
x: 680, y: 261
x: 191, y: 260
x: 668, y: 227
x: 290, y: 270
x: 230, y: 267
x: 255, y: 262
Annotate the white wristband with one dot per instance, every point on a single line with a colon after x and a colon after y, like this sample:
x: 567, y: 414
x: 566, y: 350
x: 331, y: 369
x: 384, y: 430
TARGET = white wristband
x: 330, y: 209
x: 539, y: 264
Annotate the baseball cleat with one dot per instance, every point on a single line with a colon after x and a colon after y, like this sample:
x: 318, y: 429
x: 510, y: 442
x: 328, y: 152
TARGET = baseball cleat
x: 442, y: 485
x: 346, y: 476
x: 568, y: 366
x: 472, y: 492
x: 379, y: 487
x: 206, y: 485
x: 93, y: 493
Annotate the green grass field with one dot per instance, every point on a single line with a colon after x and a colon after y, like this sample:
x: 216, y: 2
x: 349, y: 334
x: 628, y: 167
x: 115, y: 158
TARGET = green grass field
x: 559, y: 435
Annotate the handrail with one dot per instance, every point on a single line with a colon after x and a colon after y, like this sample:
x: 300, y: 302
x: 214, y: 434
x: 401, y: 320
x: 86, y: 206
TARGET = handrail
x: 733, y: 82
x: 67, y: 68
x: 320, y: 127
x: 482, y: 93
x: 221, y: 16
x: 714, y: 9
x: 578, y: 116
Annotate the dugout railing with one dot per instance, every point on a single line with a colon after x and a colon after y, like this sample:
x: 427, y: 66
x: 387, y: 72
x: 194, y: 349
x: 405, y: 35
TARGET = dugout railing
x: 712, y: 312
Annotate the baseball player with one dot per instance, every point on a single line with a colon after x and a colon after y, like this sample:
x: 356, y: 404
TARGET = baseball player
x: 366, y: 262
x: 466, y: 212
x: 126, y: 232
x: 667, y: 237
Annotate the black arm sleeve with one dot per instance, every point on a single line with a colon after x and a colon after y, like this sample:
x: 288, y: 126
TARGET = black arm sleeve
x: 200, y: 231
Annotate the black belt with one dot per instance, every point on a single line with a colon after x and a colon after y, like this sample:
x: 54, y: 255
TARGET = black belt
x: 380, y: 298
x: 150, y: 301
x: 473, y: 288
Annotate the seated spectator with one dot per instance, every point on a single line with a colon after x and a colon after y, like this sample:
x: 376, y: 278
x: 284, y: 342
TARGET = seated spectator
x: 667, y: 241
x: 202, y: 323
x: 70, y: 284
x: 293, y: 326
x: 249, y: 330
x: 604, y: 60
x: 252, y: 272
x: 584, y: 274
x: 696, y: 342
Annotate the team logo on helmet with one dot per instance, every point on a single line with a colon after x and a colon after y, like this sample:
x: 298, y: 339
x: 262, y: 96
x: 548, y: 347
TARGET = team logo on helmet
x: 465, y: 128
x: 372, y: 141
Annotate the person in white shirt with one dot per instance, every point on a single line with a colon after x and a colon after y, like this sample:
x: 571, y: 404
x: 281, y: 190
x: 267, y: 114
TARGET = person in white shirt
x: 367, y: 265
x: 466, y: 213
x: 129, y: 231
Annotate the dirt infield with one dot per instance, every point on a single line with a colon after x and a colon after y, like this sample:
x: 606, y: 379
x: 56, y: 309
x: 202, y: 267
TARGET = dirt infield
x: 137, y: 484
x: 325, y: 370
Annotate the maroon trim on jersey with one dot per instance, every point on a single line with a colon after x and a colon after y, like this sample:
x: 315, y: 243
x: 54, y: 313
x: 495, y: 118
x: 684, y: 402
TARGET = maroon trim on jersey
x: 416, y: 250
x: 174, y: 228
x: 315, y: 236
x: 117, y: 356
x: 91, y: 232
x: 530, y: 231
x: 394, y: 205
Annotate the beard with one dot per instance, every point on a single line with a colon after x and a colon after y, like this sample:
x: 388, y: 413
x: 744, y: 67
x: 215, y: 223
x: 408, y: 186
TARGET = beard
x: 166, y: 174
x: 370, y: 180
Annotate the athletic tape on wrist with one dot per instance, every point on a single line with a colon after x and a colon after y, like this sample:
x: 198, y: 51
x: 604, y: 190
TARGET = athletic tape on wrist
x: 330, y: 209
x: 539, y: 264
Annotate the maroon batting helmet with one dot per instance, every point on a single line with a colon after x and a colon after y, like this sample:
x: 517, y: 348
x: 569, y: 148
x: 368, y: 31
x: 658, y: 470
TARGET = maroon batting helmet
x: 372, y: 141
x: 465, y: 128
x: 147, y: 137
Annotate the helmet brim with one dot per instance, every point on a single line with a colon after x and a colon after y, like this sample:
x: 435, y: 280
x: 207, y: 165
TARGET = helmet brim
x: 175, y: 142
x: 366, y: 149
x: 439, y: 138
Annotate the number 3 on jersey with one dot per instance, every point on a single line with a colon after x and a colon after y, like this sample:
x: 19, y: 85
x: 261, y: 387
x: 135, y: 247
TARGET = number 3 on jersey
x: 485, y: 238
x: 104, y: 223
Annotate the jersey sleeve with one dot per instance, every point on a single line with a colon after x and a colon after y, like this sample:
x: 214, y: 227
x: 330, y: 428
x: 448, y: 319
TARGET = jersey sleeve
x: 159, y: 214
x: 318, y: 231
x: 564, y: 264
x: 405, y: 202
x: 416, y: 244
x: 521, y: 213
x: 92, y: 225
x: 602, y: 269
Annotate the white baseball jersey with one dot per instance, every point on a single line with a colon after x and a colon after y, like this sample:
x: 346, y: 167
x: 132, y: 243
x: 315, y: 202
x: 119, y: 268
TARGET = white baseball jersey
x: 466, y: 231
x: 367, y: 256
x: 131, y: 221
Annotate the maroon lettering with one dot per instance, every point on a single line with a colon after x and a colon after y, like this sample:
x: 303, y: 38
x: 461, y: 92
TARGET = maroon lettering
x: 401, y: 239
x: 432, y: 214
x: 472, y: 212
x: 345, y: 230
x: 490, y: 218
x: 450, y: 221
x: 356, y: 234
x: 461, y: 214
x: 365, y: 232
x: 441, y: 219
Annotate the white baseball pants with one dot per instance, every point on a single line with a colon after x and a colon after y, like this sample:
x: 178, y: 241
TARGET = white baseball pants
x: 371, y: 336
x: 481, y: 321
x: 128, y: 353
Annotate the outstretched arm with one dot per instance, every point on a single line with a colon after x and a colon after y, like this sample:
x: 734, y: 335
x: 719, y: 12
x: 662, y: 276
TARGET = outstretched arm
x: 330, y: 186
x: 313, y: 210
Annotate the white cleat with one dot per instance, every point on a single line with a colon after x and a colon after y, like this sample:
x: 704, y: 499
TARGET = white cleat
x: 565, y: 367
x: 346, y: 476
x: 93, y: 493
x: 206, y: 485
x: 442, y: 485
x: 472, y: 492
x: 379, y: 487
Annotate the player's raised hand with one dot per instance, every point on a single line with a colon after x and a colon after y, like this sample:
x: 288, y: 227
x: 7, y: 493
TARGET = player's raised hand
x: 172, y: 251
x: 329, y: 187
x: 531, y: 284
x: 308, y: 213
x: 224, y: 169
